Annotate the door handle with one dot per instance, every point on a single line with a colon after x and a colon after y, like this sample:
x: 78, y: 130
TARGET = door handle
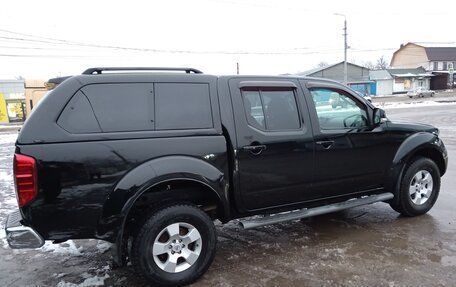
x: 255, y: 149
x: 325, y: 144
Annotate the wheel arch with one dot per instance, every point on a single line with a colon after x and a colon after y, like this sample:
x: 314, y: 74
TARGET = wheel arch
x: 178, y: 179
x: 421, y: 144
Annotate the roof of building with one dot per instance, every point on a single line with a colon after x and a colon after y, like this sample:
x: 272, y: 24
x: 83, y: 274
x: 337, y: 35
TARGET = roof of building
x: 376, y: 75
x: 11, y: 81
x: 409, y: 73
x: 441, y: 53
x: 35, y: 83
x: 319, y: 69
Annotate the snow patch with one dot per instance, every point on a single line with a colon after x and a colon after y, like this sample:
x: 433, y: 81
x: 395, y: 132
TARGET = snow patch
x: 103, y: 246
x: 413, y: 104
x: 11, y: 201
x: 59, y: 275
x: 8, y: 138
x: 3, y: 237
x: 68, y: 247
x: 88, y: 281
x: 6, y: 176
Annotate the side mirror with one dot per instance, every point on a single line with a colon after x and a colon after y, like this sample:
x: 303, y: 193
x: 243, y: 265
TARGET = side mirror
x: 379, y: 116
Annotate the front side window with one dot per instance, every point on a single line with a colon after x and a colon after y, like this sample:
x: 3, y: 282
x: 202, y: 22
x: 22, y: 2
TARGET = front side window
x: 337, y: 110
x: 271, y: 109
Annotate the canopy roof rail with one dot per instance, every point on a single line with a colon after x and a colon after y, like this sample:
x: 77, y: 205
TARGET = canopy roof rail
x: 100, y: 70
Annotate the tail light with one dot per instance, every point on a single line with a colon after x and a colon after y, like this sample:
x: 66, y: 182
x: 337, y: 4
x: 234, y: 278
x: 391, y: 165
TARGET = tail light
x: 25, y: 178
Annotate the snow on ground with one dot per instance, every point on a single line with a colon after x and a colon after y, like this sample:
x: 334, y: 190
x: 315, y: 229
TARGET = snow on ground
x: 5, y: 176
x: 89, y: 280
x: 8, y: 202
x: 400, y: 105
x: 68, y: 247
x: 6, y: 138
x: 103, y: 246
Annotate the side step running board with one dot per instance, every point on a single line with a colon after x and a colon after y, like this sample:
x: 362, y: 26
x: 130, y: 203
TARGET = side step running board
x: 309, y: 212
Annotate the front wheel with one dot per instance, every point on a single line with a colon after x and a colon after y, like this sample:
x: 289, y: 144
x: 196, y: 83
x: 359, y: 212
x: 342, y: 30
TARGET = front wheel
x: 419, y: 188
x: 175, y: 246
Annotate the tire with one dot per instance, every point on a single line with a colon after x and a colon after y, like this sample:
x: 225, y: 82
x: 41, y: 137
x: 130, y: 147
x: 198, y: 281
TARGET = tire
x: 183, y: 233
x: 411, y: 97
x: 419, y: 188
x: 432, y: 94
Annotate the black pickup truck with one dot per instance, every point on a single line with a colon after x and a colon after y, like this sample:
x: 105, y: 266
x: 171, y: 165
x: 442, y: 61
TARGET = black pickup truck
x: 148, y: 159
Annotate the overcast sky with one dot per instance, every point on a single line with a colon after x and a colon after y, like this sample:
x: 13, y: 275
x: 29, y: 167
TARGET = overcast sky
x: 46, y: 38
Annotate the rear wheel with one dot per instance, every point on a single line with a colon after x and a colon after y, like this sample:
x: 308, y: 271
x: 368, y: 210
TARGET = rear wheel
x: 419, y: 188
x: 175, y: 246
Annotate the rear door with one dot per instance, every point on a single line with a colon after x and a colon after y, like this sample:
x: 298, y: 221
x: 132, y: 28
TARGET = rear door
x: 275, y: 148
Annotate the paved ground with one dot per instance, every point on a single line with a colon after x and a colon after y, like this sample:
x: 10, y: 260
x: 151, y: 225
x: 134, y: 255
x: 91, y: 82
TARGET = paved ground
x: 366, y: 246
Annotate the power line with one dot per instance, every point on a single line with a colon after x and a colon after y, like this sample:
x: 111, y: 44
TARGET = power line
x: 220, y: 52
x: 90, y: 56
x: 40, y: 56
x: 47, y: 40
x: 55, y: 41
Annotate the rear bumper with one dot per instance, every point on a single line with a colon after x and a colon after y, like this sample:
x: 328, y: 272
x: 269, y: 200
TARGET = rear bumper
x: 20, y: 236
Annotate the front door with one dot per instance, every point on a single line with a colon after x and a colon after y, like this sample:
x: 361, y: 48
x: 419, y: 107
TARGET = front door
x: 351, y: 154
x: 275, y: 149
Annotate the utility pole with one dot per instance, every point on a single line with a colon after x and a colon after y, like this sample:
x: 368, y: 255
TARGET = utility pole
x: 345, y: 51
x: 237, y: 68
x: 345, y: 47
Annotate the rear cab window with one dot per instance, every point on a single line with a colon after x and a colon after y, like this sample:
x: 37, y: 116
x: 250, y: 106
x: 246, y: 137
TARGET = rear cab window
x: 271, y: 109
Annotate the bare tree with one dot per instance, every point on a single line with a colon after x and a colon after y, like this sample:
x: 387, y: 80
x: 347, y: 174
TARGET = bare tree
x: 381, y: 64
x: 322, y: 64
x: 369, y: 65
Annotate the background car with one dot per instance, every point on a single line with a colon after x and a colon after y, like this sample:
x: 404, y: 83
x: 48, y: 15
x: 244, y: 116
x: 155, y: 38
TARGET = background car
x: 420, y: 92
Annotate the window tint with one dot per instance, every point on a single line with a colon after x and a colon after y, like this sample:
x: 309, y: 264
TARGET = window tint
x: 254, y: 109
x: 122, y: 107
x: 280, y: 110
x: 182, y: 106
x: 337, y: 110
x: 78, y: 117
x: 271, y: 109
